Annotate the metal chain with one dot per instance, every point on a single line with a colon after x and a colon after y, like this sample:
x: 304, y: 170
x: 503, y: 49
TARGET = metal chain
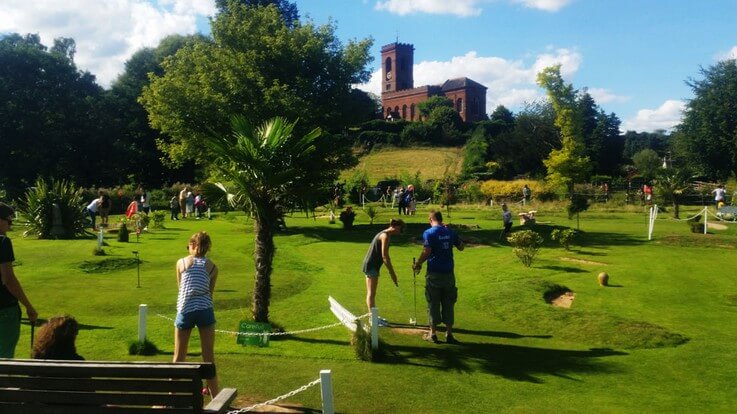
x: 277, y: 399
x: 319, y: 328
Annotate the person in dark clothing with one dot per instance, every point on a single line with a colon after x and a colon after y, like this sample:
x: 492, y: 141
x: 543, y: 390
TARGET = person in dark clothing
x: 56, y: 339
x: 400, y: 201
x: 378, y: 255
x: 11, y: 291
x: 440, y: 284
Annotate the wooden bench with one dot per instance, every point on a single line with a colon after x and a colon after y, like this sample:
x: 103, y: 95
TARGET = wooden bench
x: 52, y: 386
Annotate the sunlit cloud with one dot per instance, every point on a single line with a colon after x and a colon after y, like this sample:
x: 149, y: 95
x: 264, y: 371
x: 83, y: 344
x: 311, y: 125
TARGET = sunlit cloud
x: 665, y: 117
x: 106, y: 33
x: 511, y: 82
x: 602, y: 96
x: 546, y: 5
x: 456, y: 7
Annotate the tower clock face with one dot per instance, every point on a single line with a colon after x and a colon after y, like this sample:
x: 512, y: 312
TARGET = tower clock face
x: 388, y: 76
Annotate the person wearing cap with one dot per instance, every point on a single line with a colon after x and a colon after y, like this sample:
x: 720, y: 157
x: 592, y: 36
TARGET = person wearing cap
x: 11, y: 291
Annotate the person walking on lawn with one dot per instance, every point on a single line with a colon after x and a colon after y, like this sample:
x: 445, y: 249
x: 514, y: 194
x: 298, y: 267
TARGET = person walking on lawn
x: 440, y: 284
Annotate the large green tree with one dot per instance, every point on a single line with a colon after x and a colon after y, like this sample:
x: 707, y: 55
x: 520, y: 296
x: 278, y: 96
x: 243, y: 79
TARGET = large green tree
x: 50, y: 123
x: 707, y: 136
x: 271, y: 169
x: 258, y: 66
x: 569, y: 164
x: 135, y: 138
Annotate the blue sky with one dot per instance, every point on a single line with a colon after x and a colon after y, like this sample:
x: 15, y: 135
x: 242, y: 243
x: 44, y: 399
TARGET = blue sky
x: 633, y: 56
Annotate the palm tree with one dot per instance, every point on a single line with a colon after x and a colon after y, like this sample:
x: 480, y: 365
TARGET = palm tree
x: 270, y: 170
x: 672, y: 182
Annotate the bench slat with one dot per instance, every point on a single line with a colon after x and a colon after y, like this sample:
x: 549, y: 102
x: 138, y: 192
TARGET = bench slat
x: 93, y: 384
x: 111, y: 370
x: 78, y: 409
x: 93, y: 398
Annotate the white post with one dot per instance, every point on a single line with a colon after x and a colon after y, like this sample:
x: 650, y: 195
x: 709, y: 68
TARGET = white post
x: 99, y: 239
x: 142, y: 310
x: 363, y: 200
x: 374, y: 328
x: 650, y: 225
x: 706, y: 218
x: 209, y: 216
x: 326, y: 390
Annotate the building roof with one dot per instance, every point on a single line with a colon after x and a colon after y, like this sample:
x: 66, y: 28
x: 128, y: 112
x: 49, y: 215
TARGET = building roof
x: 460, y: 83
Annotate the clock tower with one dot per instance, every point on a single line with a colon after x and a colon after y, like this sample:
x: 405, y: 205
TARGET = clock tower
x: 397, y: 60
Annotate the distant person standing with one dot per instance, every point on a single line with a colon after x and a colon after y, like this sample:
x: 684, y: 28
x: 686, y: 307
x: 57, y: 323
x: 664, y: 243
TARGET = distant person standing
x: 145, y: 205
x: 440, y: 284
x: 400, y: 200
x: 526, y: 194
x: 174, y: 207
x: 105, y: 205
x: 506, y: 219
x: 183, y: 201
x: 11, y: 291
x: 647, y: 190
x: 190, y: 203
x: 719, y: 195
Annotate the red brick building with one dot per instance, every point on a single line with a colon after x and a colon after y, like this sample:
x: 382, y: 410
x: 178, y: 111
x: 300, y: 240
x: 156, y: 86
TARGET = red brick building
x: 399, y: 97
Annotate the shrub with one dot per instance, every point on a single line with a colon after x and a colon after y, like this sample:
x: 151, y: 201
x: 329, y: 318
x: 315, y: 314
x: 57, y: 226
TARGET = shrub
x: 512, y: 190
x: 526, y: 244
x: 123, y: 234
x: 157, y: 219
x: 38, y: 210
x: 98, y: 251
x: 361, y: 342
x: 371, y: 212
x: 578, y: 204
x: 696, y: 227
x: 564, y: 237
x: 347, y: 217
x: 140, y: 220
x: 142, y: 348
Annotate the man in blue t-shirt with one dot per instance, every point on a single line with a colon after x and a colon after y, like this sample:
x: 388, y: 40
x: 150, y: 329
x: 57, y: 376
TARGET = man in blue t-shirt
x: 440, y: 283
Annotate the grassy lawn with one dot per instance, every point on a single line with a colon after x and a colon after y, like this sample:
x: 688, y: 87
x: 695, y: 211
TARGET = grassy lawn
x: 660, y: 339
x: 432, y: 163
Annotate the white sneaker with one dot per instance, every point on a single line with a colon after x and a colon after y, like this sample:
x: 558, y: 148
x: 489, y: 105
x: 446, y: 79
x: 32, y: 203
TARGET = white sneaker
x: 383, y: 322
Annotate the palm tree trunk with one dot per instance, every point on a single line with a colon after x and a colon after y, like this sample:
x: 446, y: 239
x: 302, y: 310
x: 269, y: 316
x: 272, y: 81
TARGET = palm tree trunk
x: 264, y: 258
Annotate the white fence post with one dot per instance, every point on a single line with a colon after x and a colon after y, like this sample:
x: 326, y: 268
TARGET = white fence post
x: 326, y: 390
x: 374, y: 328
x: 142, y: 310
x: 706, y: 218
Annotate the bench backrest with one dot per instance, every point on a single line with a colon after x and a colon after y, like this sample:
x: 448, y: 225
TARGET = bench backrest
x: 40, y: 386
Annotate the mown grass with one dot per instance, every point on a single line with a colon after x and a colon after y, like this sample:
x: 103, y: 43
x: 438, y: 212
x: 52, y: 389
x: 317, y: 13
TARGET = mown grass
x: 658, y: 340
x: 432, y: 163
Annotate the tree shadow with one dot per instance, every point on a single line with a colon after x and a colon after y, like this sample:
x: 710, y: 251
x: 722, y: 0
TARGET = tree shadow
x: 566, y: 269
x: 516, y: 363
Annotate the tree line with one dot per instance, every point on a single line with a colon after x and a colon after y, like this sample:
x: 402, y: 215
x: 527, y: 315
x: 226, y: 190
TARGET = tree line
x: 260, y: 61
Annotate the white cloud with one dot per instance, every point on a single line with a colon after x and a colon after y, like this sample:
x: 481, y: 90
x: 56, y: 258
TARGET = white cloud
x: 547, y: 5
x: 511, y: 82
x: 456, y: 7
x: 106, y: 32
x: 731, y: 54
x: 665, y: 117
x: 601, y: 96
x: 463, y: 8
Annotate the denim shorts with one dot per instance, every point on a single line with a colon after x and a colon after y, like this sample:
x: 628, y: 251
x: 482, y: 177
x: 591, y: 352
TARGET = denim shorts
x: 201, y: 318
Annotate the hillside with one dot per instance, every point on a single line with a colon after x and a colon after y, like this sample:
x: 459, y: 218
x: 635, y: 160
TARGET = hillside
x: 391, y: 162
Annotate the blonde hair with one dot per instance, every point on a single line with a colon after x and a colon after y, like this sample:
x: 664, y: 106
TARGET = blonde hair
x: 201, y: 242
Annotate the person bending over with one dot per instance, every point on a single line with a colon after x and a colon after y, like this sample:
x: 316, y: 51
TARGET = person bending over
x: 378, y: 255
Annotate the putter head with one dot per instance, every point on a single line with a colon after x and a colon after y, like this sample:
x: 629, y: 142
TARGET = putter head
x: 413, y: 321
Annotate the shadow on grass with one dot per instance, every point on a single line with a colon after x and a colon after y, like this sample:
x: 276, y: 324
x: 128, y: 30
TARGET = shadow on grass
x: 82, y: 327
x: 517, y: 363
x: 566, y: 269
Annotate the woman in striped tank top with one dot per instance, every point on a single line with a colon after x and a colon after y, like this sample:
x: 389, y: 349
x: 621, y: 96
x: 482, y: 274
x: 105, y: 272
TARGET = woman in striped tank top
x: 196, y: 276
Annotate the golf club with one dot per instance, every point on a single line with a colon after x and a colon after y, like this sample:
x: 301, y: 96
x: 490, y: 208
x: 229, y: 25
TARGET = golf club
x: 33, y: 327
x: 413, y: 320
x: 405, y: 303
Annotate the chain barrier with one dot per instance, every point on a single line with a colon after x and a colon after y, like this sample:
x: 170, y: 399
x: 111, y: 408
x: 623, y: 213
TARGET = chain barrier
x: 277, y: 399
x: 319, y: 328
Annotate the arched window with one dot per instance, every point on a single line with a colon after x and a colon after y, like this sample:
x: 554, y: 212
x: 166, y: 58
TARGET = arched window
x: 404, y: 111
x: 412, y: 112
x: 388, y: 65
x: 396, y: 109
x: 388, y: 111
x: 459, y: 105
